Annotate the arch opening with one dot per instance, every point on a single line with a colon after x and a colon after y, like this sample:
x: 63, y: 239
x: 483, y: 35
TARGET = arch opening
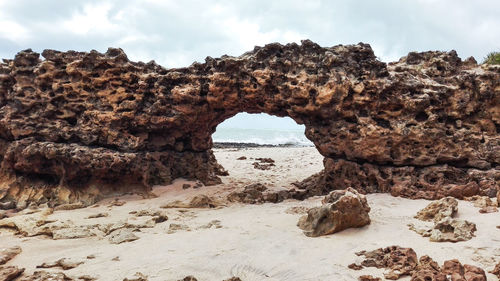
x: 265, y: 150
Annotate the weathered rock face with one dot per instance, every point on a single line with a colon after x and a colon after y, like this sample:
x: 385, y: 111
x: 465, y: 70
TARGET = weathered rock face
x: 341, y: 209
x: 78, y: 125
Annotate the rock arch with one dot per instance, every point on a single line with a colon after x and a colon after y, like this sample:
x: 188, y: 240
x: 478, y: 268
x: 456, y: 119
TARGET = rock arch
x: 77, y: 125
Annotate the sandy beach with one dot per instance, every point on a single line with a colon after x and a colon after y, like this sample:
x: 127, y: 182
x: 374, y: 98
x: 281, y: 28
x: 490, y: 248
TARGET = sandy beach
x: 249, y: 241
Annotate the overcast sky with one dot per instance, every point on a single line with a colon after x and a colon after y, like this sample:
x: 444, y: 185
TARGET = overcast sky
x: 175, y: 33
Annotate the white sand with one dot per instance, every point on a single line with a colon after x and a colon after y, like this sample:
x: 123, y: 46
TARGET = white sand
x: 256, y: 242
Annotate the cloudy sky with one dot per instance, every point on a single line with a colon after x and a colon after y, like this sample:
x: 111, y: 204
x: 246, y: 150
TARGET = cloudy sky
x: 177, y: 32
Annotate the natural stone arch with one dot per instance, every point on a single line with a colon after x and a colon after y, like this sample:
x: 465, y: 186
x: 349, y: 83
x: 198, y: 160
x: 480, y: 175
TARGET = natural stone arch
x: 77, y: 125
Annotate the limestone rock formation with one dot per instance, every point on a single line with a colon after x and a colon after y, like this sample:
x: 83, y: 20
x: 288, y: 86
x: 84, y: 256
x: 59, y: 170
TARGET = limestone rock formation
x: 438, y: 210
x: 445, y: 228
x: 341, y: 209
x: 76, y: 126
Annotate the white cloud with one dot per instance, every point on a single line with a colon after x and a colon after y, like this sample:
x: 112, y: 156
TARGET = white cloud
x: 93, y: 19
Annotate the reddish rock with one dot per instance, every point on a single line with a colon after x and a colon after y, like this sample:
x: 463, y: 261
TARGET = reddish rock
x: 496, y: 270
x: 76, y: 126
x: 399, y: 261
x: 368, y: 278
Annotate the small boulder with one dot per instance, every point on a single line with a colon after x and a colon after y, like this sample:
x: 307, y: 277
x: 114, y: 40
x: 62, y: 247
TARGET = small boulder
x: 438, y: 210
x: 8, y: 273
x: 341, y: 209
x: 122, y: 235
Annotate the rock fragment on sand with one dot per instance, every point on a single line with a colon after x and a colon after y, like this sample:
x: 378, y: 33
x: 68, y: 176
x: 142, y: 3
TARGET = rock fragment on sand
x: 98, y: 215
x: 6, y: 254
x: 46, y: 276
x: 198, y: 201
x: 233, y: 279
x: 122, y: 235
x: 213, y: 223
x: 251, y: 194
x: 138, y: 276
x: 174, y: 227
x: 8, y: 273
x: 67, y: 207
x: 341, y: 209
x: 158, y: 216
x: 445, y: 228
x: 63, y: 263
x: 438, y: 210
x: 485, y: 204
x: 241, y: 158
x: 397, y: 260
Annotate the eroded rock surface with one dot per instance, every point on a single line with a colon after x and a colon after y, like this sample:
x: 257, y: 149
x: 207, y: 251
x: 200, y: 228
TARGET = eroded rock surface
x: 6, y: 254
x: 77, y: 126
x: 399, y: 262
x: 445, y: 228
x: 341, y: 209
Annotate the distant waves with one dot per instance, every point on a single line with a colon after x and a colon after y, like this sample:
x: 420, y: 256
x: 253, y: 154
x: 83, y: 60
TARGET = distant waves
x: 261, y: 136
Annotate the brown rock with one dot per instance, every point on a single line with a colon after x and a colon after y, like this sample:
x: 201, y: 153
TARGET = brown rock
x: 241, y: 158
x: 474, y: 273
x: 428, y: 270
x: 8, y: 273
x: 399, y: 261
x: 341, y: 209
x: 6, y: 254
x: 251, y: 194
x: 233, y: 279
x: 436, y: 211
x: 355, y: 266
x: 77, y: 126
x: 487, y: 210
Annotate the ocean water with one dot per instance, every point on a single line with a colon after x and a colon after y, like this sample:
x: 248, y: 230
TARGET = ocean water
x: 262, y: 136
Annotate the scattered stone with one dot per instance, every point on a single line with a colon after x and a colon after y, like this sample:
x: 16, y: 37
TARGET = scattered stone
x: 63, y: 263
x: 198, y: 184
x: 158, y: 216
x: 241, y: 158
x: 481, y: 201
x: 46, y: 276
x: 117, y: 258
x: 341, y: 209
x: 186, y: 186
x: 265, y: 160
x: 98, y: 215
x: 174, y: 227
x: 117, y: 202
x: 198, y: 201
x: 214, y: 223
x: 90, y: 257
x: 251, y: 194
x: 438, y: 210
x: 233, y: 279
x: 260, y: 166
x: 8, y: 273
x: 355, y: 266
x: 447, y: 230
x: 428, y: 270
x: 67, y: 207
x: 397, y: 260
x: 122, y: 235
x: 368, y: 278
x: 138, y: 276
x: 6, y: 254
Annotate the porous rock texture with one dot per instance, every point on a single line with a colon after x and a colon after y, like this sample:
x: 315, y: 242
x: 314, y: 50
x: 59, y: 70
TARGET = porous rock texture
x: 341, y: 209
x: 75, y: 125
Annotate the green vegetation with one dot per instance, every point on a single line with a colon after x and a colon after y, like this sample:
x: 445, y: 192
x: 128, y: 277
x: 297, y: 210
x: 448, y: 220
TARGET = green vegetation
x: 492, y: 58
